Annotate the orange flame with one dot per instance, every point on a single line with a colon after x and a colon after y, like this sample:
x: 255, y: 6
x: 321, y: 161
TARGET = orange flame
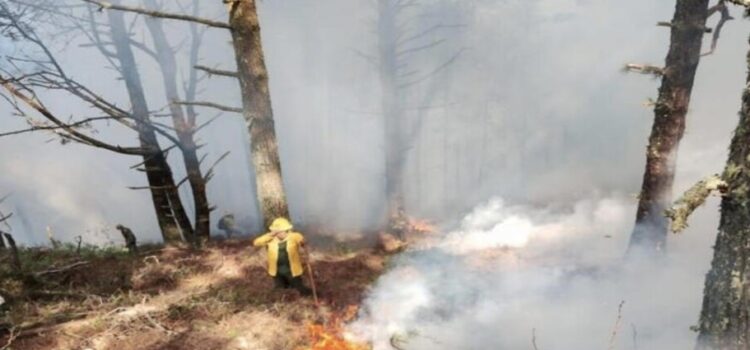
x: 331, y: 336
x: 420, y: 226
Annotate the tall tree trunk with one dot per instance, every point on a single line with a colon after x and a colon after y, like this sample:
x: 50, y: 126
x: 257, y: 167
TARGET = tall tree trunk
x: 257, y: 111
x: 650, y: 231
x: 391, y: 105
x: 169, y: 211
x: 725, y: 317
x: 184, y: 127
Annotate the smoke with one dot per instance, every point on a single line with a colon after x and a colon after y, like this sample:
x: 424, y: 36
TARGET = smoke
x: 506, y: 271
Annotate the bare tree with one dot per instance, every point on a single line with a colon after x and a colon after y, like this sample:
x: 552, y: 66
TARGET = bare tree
x: 163, y: 189
x: 397, y: 47
x: 687, y: 29
x: 184, y: 122
x: 244, y: 27
x: 49, y: 75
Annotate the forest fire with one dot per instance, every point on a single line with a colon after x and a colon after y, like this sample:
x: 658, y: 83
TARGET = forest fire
x: 331, y: 336
x: 420, y: 226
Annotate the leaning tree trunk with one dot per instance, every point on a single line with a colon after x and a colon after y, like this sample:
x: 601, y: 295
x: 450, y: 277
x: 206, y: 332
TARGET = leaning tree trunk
x: 256, y: 103
x: 394, y: 135
x: 183, y: 127
x: 725, y: 317
x: 650, y: 231
x: 169, y: 210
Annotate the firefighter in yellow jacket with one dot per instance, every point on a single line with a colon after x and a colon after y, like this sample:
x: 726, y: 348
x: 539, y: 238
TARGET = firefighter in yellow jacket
x: 284, y: 255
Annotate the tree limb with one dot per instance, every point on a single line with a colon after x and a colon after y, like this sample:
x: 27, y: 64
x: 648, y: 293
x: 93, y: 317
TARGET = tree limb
x: 721, y: 8
x: 75, y: 135
x: 210, y: 105
x: 692, y: 199
x: 159, y: 14
x: 644, y: 69
x: 213, y: 71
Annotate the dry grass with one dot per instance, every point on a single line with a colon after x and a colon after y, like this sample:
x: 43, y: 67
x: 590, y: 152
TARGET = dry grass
x: 217, y: 298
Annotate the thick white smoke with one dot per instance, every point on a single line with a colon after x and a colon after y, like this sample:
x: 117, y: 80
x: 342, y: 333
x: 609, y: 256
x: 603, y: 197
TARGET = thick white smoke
x: 508, y: 270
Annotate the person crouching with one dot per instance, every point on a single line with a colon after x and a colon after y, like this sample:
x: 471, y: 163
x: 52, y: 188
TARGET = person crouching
x: 284, y: 255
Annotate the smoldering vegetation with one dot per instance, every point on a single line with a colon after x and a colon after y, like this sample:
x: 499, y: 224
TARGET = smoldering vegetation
x: 511, y: 277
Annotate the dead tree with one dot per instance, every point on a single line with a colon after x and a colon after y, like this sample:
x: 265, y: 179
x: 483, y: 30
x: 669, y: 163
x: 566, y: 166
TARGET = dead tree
x: 130, y: 240
x: 687, y: 29
x: 49, y: 75
x: 184, y: 125
x: 396, y: 48
x: 725, y: 315
x: 163, y: 188
x: 251, y: 72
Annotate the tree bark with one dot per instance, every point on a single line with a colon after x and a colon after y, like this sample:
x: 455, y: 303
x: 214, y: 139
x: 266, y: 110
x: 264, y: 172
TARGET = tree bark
x: 650, y: 231
x: 169, y: 210
x: 725, y: 316
x: 257, y: 111
x: 184, y: 128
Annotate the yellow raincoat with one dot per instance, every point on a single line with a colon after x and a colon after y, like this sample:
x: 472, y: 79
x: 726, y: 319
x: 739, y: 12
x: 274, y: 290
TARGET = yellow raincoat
x: 293, y: 241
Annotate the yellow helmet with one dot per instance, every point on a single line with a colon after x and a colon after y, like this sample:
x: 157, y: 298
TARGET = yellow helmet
x: 280, y: 224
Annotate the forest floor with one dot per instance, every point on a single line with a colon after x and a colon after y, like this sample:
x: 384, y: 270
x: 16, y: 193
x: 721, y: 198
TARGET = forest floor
x: 219, y: 297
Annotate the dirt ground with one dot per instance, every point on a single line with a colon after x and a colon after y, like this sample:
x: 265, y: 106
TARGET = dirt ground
x: 172, y: 298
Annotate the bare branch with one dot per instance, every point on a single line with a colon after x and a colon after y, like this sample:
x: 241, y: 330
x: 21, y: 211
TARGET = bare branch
x: 670, y: 25
x: 210, y: 105
x: 213, y: 71
x: 75, y: 135
x: 159, y: 14
x: 644, y: 69
x: 721, y: 8
x: 210, y: 171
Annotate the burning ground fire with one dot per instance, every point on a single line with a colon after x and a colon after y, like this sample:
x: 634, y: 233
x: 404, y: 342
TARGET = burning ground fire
x: 331, y: 336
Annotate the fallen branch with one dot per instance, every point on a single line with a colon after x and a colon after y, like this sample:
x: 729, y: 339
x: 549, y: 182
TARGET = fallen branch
x: 692, y: 199
x: 61, y: 269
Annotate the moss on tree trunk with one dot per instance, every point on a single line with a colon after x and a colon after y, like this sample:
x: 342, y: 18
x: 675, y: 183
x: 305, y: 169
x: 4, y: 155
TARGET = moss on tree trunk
x: 725, y: 316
